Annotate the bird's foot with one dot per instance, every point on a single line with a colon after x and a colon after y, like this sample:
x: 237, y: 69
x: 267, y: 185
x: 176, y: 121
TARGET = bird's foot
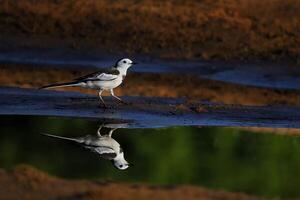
x: 103, y: 105
x: 124, y: 102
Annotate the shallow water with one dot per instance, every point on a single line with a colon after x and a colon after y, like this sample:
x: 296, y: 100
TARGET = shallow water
x: 144, y: 112
x: 221, y: 158
x: 268, y: 75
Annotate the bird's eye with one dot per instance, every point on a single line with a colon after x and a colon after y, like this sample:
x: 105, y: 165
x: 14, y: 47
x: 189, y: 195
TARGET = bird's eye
x: 124, y: 61
x: 120, y: 166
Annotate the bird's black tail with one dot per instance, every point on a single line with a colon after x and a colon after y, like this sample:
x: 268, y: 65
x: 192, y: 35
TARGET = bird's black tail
x: 78, y: 140
x: 57, y: 85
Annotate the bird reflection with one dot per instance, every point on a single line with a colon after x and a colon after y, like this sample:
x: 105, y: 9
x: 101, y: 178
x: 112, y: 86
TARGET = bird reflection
x: 102, y: 144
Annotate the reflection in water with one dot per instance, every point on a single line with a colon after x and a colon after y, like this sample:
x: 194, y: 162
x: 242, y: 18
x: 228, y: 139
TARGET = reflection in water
x: 104, y: 145
x: 230, y: 159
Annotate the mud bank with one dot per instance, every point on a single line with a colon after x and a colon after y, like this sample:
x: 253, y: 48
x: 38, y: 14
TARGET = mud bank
x: 25, y: 182
x: 57, y: 55
x: 145, y: 112
x: 280, y: 131
x: 223, y: 29
x: 168, y: 85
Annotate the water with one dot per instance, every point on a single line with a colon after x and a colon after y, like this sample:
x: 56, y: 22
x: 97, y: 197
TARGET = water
x: 267, y: 75
x: 231, y: 159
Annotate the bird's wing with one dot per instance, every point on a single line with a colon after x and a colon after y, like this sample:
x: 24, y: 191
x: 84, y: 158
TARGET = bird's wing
x: 106, y: 152
x: 102, y: 75
x: 106, y: 77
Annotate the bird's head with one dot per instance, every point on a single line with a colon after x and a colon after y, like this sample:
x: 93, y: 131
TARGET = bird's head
x: 120, y: 163
x: 124, y: 63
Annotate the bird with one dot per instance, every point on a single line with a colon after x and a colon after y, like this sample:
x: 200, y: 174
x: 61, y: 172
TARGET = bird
x: 105, y: 79
x: 104, y: 145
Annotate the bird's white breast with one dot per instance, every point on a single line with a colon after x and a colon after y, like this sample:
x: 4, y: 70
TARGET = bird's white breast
x: 102, y: 141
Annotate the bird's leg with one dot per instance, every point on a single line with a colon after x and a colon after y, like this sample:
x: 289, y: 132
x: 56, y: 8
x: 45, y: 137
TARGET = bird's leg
x: 100, y: 92
x: 99, y: 129
x: 113, y: 94
x: 111, y: 132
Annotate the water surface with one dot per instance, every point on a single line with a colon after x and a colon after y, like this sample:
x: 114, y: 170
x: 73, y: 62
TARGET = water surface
x: 231, y: 159
x: 269, y: 75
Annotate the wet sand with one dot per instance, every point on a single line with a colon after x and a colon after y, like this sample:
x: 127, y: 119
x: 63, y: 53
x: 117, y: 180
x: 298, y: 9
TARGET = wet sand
x: 145, y: 112
x: 169, y: 85
x: 156, y: 99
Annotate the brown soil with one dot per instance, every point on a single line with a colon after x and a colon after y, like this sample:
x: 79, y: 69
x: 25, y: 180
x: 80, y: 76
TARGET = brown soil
x: 224, y: 29
x: 28, y: 183
x: 280, y: 131
x: 159, y: 85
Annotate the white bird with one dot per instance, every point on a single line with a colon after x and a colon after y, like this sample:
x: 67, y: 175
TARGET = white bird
x: 104, y: 145
x: 106, y: 79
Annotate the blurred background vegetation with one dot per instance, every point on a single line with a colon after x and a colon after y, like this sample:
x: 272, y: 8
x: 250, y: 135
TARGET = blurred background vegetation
x: 226, y: 158
x: 208, y: 29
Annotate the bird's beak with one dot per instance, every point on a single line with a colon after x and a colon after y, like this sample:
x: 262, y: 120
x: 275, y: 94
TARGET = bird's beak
x: 134, y: 63
x: 130, y: 165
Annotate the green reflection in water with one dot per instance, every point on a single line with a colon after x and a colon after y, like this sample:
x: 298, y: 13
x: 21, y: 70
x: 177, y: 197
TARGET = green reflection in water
x: 228, y: 158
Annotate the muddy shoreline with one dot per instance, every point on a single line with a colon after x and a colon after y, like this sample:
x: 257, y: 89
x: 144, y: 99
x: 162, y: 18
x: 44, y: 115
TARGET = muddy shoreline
x: 169, y: 85
x: 145, y: 112
x: 226, y: 30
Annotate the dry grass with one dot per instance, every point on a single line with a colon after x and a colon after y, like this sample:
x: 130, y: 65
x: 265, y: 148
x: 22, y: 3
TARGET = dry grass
x: 225, y: 29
